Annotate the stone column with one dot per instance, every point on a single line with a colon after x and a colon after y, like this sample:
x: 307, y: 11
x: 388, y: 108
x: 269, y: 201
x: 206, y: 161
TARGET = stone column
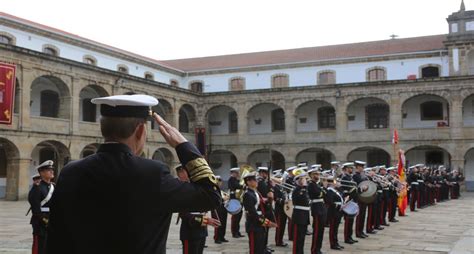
x: 455, y: 115
x: 18, y: 180
x: 242, y: 123
x: 290, y: 121
x: 75, y: 107
x: 395, y: 112
x: 341, y: 119
x: 25, y: 109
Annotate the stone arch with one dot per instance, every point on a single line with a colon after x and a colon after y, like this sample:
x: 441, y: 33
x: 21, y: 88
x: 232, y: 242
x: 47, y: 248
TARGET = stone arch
x: 432, y: 156
x: 164, y: 155
x: 165, y: 110
x: 368, y: 113
x: 470, y: 62
x: 187, y: 118
x: 221, y: 161
x: 88, y: 111
x: 469, y: 169
x: 51, y: 49
x: 315, y: 115
x: 9, y: 169
x: 50, y: 150
x: 372, y: 155
x: 422, y: 67
x: 262, y: 118
x: 89, y: 150
x: 316, y: 155
x: 222, y: 119
x: 9, y: 36
x: 263, y: 157
x: 50, y: 97
x: 418, y: 113
x: 468, y: 110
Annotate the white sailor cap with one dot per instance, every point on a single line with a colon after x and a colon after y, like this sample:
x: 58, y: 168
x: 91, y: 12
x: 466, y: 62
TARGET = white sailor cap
x: 326, y: 172
x: 35, y: 176
x: 45, y: 165
x: 290, y: 169
x: 411, y: 167
x: 303, y: 168
x: 313, y: 169
x: 235, y: 170
x: 264, y: 169
x: 136, y: 105
x: 252, y: 174
x: 367, y: 169
x: 362, y: 163
x: 390, y: 169
x: 348, y: 164
x: 382, y: 166
x: 218, y: 178
x: 419, y: 165
x: 276, y: 172
x: 304, y: 174
x: 302, y: 164
x: 316, y: 166
x: 335, y: 162
x: 329, y: 177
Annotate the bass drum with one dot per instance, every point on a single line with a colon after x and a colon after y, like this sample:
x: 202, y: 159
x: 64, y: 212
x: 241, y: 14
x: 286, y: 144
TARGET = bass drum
x: 233, y: 206
x: 368, y: 196
x: 288, y: 208
x: 351, y: 209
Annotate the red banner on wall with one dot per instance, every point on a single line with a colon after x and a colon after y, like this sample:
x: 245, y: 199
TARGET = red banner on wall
x: 7, y: 92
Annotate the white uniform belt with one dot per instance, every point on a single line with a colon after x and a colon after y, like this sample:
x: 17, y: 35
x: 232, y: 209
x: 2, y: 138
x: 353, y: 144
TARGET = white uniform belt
x: 415, y: 183
x: 259, y: 212
x: 420, y: 181
x: 195, y: 213
x: 385, y: 188
x: 379, y: 191
x: 338, y: 203
x: 232, y: 192
x: 45, y: 209
x: 318, y: 200
x: 454, y: 182
x: 305, y: 208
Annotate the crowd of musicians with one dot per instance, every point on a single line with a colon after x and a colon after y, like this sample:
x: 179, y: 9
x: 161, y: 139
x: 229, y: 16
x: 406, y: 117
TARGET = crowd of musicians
x: 349, y: 196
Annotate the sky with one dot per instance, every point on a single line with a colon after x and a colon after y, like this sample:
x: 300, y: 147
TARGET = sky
x: 178, y: 29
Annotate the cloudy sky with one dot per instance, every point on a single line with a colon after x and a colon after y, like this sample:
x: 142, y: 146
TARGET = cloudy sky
x: 176, y: 29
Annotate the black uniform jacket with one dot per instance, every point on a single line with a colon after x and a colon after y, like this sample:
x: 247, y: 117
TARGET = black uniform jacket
x: 234, y: 185
x: 335, y: 201
x: 300, y: 198
x: 116, y: 202
x: 35, y: 196
x: 280, y: 197
x: 315, y: 193
x: 191, y: 226
x: 254, y: 211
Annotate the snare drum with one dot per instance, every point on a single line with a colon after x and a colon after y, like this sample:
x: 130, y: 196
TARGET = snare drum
x: 350, y: 209
x: 233, y: 206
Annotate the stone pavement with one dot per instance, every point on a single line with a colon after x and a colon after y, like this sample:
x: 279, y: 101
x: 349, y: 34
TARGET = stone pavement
x: 447, y: 227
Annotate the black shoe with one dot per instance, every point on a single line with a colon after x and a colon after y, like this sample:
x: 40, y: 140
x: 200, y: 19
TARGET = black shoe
x: 217, y: 241
x: 365, y: 235
x: 340, y: 246
x: 349, y: 242
x: 270, y: 249
x: 393, y: 220
x: 361, y: 236
x: 371, y: 232
x: 282, y: 245
x: 386, y: 224
x: 205, y: 246
x: 354, y: 241
x: 379, y: 228
x: 240, y: 235
x: 336, y: 247
x: 224, y: 240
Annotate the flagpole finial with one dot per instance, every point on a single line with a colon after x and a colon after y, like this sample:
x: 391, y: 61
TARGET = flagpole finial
x: 463, y: 7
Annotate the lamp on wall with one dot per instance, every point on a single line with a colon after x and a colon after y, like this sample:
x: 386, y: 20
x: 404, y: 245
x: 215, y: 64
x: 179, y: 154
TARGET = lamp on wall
x: 258, y: 121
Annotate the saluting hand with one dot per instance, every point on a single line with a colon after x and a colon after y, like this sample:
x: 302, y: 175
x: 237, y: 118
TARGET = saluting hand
x: 172, y: 136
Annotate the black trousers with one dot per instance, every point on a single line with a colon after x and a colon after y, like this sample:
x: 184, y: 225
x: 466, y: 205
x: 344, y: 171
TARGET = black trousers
x: 348, y: 227
x: 256, y: 241
x: 290, y: 229
x: 219, y: 232
x: 193, y: 246
x: 413, y: 197
x: 39, y: 244
x: 360, y: 220
x: 281, y: 219
x: 235, y: 223
x: 334, y: 221
x: 392, y: 206
x: 319, y: 221
x: 299, y: 234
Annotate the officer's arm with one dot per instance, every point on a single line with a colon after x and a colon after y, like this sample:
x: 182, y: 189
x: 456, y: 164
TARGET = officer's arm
x: 201, y: 194
x: 193, y: 220
x: 34, y: 198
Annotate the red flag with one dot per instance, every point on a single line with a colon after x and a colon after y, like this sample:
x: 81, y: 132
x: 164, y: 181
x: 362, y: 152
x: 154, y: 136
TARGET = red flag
x: 395, y: 137
x: 7, y: 92
x: 402, y: 198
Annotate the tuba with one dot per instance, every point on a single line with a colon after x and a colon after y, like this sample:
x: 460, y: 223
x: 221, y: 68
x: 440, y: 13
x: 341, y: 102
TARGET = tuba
x: 244, y: 169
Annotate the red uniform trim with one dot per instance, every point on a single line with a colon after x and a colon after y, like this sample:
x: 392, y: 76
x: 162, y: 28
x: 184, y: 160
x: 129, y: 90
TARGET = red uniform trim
x: 295, y: 237
x: 315, y: 234
x: 34, y: 248
x: 252, y: 243
x: 186, y: 247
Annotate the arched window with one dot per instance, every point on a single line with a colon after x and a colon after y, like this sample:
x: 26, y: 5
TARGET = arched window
x: 280, y: 80
x: 377, y: 116
x: 326, y: 118
x: 174, y: 82
x: 233, y: 124
x: 196, y: 87
x: 376, y: 74
x: 49, y: 105
x: 431, y: 110
x: 5, y: 39
x: 90, y: 60
x: 50, y: 51
x: 278, y: 120
x: 327, y: 78
x: 89, y: 110
x: 430, y: 72
x: 122, y: 69
x: 237, y: 84
x: 149, y: 76
x: 183, y: 121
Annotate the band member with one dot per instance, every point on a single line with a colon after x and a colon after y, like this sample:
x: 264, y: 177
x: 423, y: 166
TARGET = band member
x: 349, y: 193
x: 335, y: 201
x: 220, y: 214
x: 393, y: 194
x: 36, y: 179
x: 289, y: 180
x: 39, y: 198
x: 280, y: 196
x: 335, y: 168
x: 234, y: 186
x: 412, y: 180
x: 256, y: 222
x: 372, y: 207
x: 421, y: 187
x: 359, y: 176
x: 265, y: 188
x: 300, y: 217
x: 116, y: 201
x: 455, y: 179
x: 317, y: 194
x: 385, y: 200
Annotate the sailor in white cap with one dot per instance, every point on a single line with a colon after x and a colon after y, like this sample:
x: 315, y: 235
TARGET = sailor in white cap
x: 266, y: 190
x: 102, y: 202
x: 316, y: 194
x: 358, y: 177
x: 236, y: 190
x: 36, y: 179
x: 335, y: 201
x: 335, y: 168
x: 289, y: 180
x: 349, y: 191
x: 39, y: 198
x: 413, y: 180
x: 301, y: 209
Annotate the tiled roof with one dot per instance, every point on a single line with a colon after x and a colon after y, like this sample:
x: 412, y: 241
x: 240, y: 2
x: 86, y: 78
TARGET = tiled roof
x: 313, y: 54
